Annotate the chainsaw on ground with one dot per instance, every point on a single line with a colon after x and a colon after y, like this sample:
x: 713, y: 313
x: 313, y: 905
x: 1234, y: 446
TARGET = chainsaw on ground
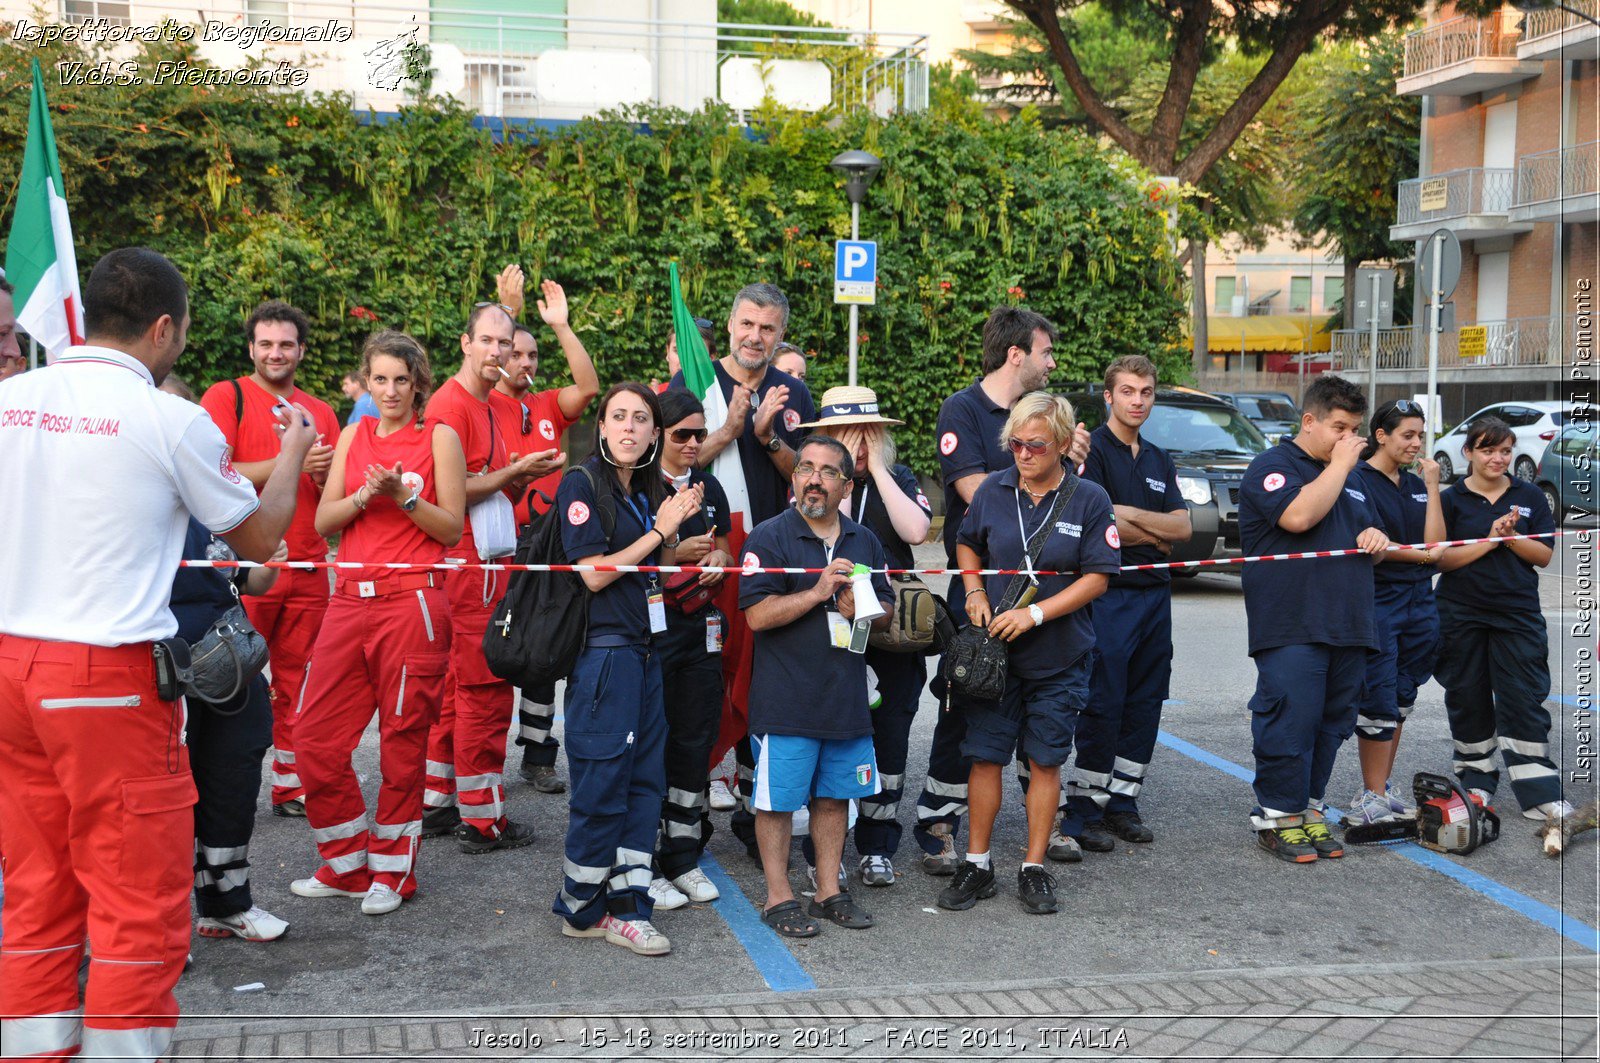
x: 1449, y: 819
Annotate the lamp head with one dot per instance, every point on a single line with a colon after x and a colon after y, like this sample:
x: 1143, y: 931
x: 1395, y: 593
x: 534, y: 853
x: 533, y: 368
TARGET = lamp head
x: 859, y: 168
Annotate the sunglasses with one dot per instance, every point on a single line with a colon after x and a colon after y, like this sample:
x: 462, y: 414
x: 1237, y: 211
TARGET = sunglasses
x: 1019, y: 445
x: 527, y: 419
x: 1408, y: 408
x: 683, y: 435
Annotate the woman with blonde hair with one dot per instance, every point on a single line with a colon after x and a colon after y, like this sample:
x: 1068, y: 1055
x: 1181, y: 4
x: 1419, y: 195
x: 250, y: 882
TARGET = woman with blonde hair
x: 1036, y: 516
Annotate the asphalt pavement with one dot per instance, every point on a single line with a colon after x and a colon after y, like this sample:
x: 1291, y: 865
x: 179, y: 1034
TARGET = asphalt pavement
x: 1196, y: 945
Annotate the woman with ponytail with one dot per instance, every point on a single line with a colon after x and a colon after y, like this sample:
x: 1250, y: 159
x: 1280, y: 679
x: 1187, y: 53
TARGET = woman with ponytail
x: 1494, y: 666
x: 618, y: 509
x: 1405, y: 619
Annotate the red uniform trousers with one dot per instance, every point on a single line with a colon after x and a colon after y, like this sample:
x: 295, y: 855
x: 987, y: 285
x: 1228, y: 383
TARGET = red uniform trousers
x: 288, y: 617
x: 98, y: 804
x: 467, y: 750
x: 387, y: 653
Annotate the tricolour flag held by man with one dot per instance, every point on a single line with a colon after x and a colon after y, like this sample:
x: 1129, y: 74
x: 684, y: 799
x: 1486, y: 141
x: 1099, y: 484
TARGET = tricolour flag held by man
x: 40, y: 261
x: 700, y: 377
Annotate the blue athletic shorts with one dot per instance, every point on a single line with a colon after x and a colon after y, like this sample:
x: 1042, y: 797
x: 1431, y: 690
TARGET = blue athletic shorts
x: 791, y: 770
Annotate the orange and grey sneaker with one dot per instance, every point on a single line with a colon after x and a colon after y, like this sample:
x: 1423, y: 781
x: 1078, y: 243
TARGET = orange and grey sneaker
x: 1322, y: 839
x: 1288, y: 843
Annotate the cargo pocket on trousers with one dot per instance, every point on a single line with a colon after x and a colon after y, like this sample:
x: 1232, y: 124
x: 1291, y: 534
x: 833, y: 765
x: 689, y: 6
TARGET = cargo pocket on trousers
x: 421, y: 686
x: 158, y: 831
x: 600, y: 771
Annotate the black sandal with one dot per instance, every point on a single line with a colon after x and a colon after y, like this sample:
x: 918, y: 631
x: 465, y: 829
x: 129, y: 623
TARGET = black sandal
x: 841, y: 910
x: 788, y: 919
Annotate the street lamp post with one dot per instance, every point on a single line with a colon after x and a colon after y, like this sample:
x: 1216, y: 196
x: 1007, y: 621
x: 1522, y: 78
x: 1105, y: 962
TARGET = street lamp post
x: 859, y: 168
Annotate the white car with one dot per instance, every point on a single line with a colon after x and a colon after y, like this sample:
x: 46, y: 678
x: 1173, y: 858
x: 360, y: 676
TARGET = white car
x: 1534, y: 424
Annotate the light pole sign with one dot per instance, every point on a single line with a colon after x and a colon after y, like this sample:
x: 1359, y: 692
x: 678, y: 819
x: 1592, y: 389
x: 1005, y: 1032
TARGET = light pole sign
x: 855, y: 272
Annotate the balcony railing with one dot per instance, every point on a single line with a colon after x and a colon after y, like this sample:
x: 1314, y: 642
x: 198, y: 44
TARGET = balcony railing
x: 1460, y: 40
x: 1546, y: 176
x: 1549, y: 20
x: 1466, y: 193
x: 1523, y: 341
x: 528, y: 63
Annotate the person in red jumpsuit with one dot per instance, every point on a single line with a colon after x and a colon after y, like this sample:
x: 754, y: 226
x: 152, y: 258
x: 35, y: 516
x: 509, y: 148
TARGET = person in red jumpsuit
x: 289, y: 614
x: 396, y: 492
x: 465, y: 792
x: 530, y: 422
x: 102, y: 473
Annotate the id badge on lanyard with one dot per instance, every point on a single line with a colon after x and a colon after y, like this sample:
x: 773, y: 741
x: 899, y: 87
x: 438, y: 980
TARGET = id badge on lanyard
x: 655, y: 601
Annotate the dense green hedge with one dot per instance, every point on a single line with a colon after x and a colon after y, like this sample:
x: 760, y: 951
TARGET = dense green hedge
x: 255, y: 194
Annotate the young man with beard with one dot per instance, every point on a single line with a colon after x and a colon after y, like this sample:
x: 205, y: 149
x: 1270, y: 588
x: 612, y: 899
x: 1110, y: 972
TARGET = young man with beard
x: 290, y: 614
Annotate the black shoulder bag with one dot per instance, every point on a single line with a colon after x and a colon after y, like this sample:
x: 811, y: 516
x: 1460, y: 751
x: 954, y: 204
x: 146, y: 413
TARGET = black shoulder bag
x: 975, y: 664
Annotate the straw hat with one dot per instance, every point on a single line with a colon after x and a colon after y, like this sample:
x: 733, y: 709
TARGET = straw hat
x: 849, y: 405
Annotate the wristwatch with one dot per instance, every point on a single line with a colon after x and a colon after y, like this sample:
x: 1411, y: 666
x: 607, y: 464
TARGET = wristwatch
x: 411, y: 503
x: 774, y: 444
x: 1037, y: 614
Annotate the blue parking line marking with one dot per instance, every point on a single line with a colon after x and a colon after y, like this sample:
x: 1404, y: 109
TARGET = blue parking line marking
x: 1572, y: 929
x: 777, y: 965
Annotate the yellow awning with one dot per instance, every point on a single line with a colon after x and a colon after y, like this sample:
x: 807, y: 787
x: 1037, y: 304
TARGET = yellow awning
x: 1265, y: 333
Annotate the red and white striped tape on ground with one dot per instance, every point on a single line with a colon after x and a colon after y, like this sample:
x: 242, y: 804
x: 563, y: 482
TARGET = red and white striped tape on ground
x: 495, y: 566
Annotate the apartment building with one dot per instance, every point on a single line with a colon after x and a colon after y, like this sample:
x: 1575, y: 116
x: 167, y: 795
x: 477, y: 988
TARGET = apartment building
x: 1510, y: 163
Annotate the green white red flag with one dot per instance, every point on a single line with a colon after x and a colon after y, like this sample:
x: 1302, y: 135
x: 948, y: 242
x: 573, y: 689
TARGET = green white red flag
x: 40, y: 262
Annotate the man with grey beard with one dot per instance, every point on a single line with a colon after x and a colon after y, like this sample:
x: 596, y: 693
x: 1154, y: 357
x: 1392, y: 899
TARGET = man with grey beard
x: 765, y: 406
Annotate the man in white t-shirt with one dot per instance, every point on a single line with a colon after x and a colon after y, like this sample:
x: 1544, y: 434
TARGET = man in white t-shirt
x: 101, y: 473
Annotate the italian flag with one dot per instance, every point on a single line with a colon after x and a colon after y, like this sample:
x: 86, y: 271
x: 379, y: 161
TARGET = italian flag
x: 40, y: 261
x: 738, y: 649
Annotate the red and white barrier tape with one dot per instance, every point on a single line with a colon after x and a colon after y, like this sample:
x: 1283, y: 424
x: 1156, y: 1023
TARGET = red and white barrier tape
x: 494, y: 566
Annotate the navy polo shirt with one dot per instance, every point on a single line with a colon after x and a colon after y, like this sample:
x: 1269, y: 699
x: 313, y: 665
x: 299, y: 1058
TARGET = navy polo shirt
x: 1084, y: 540
x: 800, y: 684
x: 969, y: 428
x: 201, y: 595
x: 767, y: 487
x: 1148, y: 482
x: 713, y: 513
x: 1499, y: 581
x: 875, y: 515
x: 621, y: 608
x: 1400, y: 511
x: 1326, y: 600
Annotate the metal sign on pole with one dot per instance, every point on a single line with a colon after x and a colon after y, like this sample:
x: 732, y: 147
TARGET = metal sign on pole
x: 1440, y: 265
x: 855, y: 280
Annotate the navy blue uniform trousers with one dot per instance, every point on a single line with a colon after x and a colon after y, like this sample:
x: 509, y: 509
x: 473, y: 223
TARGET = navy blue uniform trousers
x: 1117, y: 729
x: 225, y: 755
x: 944, y: 790
x: 1495, y: 671
x: 1303, y: 710
x: 616, y: 733
x: 900, y: 679
x: 1405, y: 621
x: 692, y: 692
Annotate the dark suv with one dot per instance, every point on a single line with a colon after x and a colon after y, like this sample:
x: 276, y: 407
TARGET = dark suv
x: 1212, y: 444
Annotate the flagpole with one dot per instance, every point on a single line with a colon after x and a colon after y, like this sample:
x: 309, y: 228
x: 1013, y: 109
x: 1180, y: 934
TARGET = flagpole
x: 33, y: 353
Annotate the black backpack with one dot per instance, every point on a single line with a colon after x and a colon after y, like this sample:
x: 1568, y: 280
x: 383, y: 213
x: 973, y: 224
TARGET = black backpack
x: 539, y: 627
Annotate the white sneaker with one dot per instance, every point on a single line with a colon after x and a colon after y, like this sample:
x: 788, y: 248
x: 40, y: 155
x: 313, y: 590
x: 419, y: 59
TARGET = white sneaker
x: 877, y: 871
x: 694, y: 884
x: 666, y: 895
x: 257, y: 924
x: 636, y: 935
x: 1369, y: 808
x: 1550, y: 810
x: 811, y: 874
x: 315, y: 887
x: 1398, y: 803
x: 722, y: 799
x: 380, y: 900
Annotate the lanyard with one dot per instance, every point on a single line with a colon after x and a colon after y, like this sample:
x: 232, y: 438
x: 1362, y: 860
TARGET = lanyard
x: 1027, y: 559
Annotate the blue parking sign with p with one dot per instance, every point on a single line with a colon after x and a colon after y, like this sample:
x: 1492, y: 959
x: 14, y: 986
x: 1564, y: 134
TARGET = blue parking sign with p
x: 855, y: 272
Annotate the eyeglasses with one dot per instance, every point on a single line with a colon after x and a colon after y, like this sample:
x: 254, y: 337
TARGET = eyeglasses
x: 829, y: 474
x: 683, y: 435
x: 1408, y: 408
x: 1019, y: 445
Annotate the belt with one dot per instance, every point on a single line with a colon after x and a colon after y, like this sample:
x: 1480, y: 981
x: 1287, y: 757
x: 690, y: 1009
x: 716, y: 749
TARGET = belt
x: 387, y: 585
x: 617, y: 642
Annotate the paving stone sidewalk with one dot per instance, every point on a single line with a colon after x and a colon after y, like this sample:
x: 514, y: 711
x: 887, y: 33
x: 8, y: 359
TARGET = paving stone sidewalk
x: 1498, y: 1009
